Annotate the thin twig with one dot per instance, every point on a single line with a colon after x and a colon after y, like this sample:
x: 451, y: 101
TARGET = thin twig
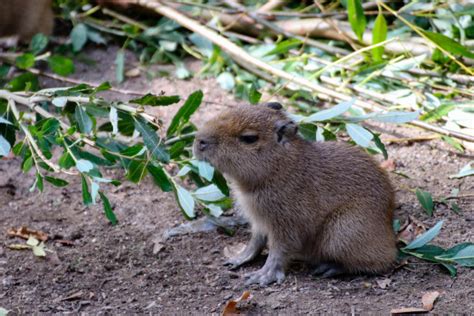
x: 30, y: 138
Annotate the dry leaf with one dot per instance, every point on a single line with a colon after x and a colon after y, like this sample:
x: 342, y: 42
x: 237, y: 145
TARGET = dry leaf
x: 383, y: 283
x: 231, y: 306
x: 388, y: 165
x: 408, y: 310
x: 158, y: 244
x: 134, y: 72
x: 232, y: 251
x: 411, y: 229
x: 25, y: 233
x: 428, y: 299
x: 18, y: 247
x: 65, y: 242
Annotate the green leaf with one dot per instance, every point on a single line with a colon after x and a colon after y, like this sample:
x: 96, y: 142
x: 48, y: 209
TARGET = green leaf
x: 379, y: 34
x: 133, y: 151
x: 84, y: 122
x: 449, y: 44
x: 56, y: 182
x: 109, y: 213
x: 185, y: 112
x: 39, y: 182
x: 120, y: 66
x: 226, y: 81
x: 451, y: 269
x: 86, y: 196
x: 78, y: 37
x: 221, y: 183
x: 4, y: 146
x: 151, y: 141
x: 59, y: 102
x: 84, y: 166
x: 426, y: 201
x: 66, y: 161
x: 94, y: 191
x: 360, y: 135
x: 154, y: 100
x: 329, y: 113
x: 49, y: 126
x: 38, y: 43
x: 27, y: 164
x: 210, y: 193
x: 5, y: 121
x: 380, y: 145
x: 467, y: 170
x: 25, y: 61
x: 24, y: 82
x: 104, y: 86
x: 396, y: 117
x: 254, y: 95
x: 205, y: 170
x: 160, y: 178
x: 453, y: 142
x: 356, y: 17
x: 185, y: 201
x: 113, y: 117
x: 214, y: 210
x: 61, y: 65
x: 437, y: 113
x: 284, y: 46
x: 426, y: 237
x: 462, y: 254
x: 136, y: 171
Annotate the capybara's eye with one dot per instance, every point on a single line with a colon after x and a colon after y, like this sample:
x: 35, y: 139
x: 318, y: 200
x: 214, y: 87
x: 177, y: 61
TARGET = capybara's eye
x: 248, y: 139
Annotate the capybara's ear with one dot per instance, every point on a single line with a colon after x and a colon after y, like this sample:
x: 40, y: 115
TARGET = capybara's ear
x: 274, y: 105
x: 285, y: 130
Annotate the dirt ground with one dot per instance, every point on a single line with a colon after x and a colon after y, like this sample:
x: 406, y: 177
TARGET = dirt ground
x: 113, y: 269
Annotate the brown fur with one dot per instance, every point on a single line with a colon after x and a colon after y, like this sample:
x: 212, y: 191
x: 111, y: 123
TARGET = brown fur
x: 25, y: 18
x: 318, y: 202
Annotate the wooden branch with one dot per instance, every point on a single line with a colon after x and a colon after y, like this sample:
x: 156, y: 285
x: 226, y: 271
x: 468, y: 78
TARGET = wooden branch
x: 321, y: 28
x: 278, y: 30
x: 271, y: 5
x: 237, y: 53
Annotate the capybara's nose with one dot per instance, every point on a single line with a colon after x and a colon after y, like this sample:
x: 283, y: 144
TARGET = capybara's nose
x: 203, y: 144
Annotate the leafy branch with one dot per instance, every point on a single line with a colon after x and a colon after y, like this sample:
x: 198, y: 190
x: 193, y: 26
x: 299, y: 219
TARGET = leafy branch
x: 101, y: 133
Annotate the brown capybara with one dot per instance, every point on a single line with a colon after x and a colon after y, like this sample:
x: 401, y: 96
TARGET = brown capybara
x: 325, y: 203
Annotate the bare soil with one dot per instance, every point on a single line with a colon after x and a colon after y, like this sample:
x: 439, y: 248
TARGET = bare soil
x: 113, y: 269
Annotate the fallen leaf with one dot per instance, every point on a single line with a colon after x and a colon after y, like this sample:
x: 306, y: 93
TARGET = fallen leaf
x: 233, y: 250
x: 408, y: 310
x: 134, y: 72
x: 411, y: 229
x: 383, y: 283
x: 158, y: 245
x: 18, y: 247
x: 429, y: 299
x: 74, y: 296
x: 388, y: 165
x: 231, y: 307
x: 25, y: 233
x: 65, y: 242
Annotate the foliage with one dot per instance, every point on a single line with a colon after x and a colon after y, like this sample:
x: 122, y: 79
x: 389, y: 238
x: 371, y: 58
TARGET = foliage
x: 91, y: 133
x: 458, y: 255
